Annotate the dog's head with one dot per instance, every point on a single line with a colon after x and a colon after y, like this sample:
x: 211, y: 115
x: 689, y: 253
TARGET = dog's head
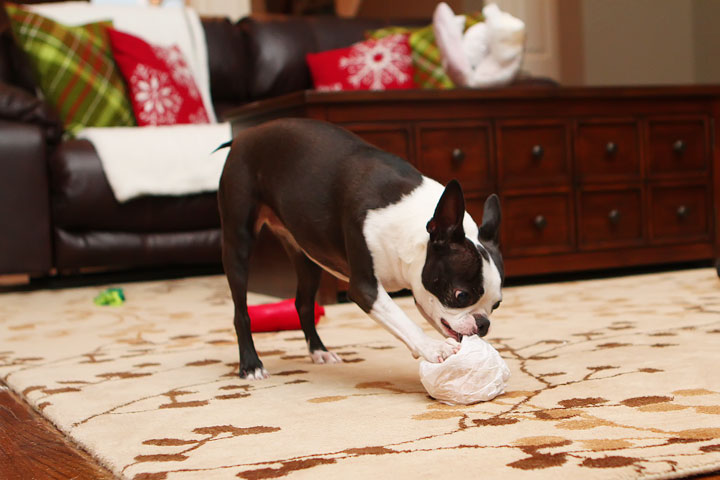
x: 462, y: 276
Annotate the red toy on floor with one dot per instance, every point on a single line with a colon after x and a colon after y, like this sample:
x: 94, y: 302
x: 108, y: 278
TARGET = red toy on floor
x: 272, y: 317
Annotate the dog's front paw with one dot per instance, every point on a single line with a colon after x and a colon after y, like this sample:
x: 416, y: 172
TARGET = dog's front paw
x: 437, y: 351
x: 323, y: 356
x: 254, y: 374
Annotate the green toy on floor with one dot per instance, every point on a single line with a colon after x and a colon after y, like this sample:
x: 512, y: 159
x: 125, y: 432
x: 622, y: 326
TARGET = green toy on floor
x: 110, y: 296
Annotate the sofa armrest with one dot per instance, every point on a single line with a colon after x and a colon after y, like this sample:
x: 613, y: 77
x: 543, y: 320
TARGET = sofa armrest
x: 25, y: 242
x: 17, y: 105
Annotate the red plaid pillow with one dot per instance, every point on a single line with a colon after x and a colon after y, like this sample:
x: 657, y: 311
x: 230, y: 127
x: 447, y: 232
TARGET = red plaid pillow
x: 162, y: 87
x: 383, y: 64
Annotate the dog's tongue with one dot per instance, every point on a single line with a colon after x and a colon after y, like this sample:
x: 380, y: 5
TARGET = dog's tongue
x: 458, y: 336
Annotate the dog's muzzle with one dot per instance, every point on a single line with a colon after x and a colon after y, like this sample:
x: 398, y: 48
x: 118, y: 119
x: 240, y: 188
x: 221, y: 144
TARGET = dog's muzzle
x: 483, y: 324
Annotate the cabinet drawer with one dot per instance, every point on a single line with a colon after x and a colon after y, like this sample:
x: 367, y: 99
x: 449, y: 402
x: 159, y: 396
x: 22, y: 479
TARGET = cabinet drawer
x: 678, y: 147
x: 680, y: 213
x: 460, y: 152
x: 533, y: 154
x: 610, y: 218
x: 393, y: 140
x: 537, y: 224
x: 607, y: 151
x: 475, y: 205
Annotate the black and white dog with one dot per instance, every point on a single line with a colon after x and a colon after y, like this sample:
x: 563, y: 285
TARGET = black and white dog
x: 367, y: 217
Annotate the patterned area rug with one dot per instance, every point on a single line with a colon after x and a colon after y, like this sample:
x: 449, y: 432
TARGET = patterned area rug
x: 610, y: 378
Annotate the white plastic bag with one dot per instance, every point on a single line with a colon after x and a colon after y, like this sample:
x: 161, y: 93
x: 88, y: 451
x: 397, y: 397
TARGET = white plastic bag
x: 476, y: 373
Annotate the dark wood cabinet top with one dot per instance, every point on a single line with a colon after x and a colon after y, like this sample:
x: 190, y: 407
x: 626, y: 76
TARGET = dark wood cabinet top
x: 313, y: 97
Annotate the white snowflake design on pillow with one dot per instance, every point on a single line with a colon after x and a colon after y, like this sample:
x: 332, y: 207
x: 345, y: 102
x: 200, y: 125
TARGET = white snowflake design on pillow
x: 159, y: 101
x: 181, y: 72
x: 378, y: 64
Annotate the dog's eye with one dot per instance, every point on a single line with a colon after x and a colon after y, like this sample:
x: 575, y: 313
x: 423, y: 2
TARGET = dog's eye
x: 497, y: 304
x: 461, y: 296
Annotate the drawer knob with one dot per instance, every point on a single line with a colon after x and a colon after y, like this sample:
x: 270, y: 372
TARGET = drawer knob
x: 679, y: 146
x: 611, y: 148
x: 537, y: 151
x: 540, y: 222
x: 457, y: 156
x: 682, y: 212
x: 614, y: 216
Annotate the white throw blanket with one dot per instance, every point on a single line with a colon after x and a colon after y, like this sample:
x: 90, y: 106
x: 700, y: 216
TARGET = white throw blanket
x: 159, y: 26
x: 166, y: 160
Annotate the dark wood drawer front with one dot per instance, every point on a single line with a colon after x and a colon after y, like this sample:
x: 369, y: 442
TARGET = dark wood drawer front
x: 537, y: 224
x: 533, y: 155
x: 610, y: 218
x: 678, y: 147
x: 459, y: 152
x: 680, y: 213
x: 475, y: 204
x: 394, y: 141
x: 607, y: 151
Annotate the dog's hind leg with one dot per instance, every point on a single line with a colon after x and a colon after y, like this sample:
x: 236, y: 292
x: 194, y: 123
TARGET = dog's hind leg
x: 238, y: 214
x: 308, y: 281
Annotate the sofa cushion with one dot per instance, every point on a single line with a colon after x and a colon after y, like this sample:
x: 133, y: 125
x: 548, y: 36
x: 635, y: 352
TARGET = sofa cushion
x: 82, y: 199
x: 162, y: 86
x: 75, y: 70
x: 82, y: 249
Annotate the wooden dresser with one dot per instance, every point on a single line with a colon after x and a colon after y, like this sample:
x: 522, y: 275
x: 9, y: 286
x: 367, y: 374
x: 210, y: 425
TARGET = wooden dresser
x: 588, y: 178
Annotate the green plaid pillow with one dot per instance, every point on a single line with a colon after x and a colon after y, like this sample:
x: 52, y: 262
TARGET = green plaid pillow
x: 75, y: 70
x: 429, y: 72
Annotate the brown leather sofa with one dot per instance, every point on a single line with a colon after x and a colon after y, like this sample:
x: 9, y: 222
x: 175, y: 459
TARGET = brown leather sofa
x: 57, y: 212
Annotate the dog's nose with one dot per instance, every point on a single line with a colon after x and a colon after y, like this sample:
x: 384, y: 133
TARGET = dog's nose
x: 483, y: 324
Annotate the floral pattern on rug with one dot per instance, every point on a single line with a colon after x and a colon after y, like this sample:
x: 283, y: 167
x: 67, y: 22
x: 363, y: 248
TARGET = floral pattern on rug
x: 610, y: 378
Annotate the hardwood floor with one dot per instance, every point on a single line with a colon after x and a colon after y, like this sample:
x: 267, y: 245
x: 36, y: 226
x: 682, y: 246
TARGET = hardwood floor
x: 32, y: 448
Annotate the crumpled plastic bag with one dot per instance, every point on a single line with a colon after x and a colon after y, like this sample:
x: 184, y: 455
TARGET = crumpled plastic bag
x: 476, y: 373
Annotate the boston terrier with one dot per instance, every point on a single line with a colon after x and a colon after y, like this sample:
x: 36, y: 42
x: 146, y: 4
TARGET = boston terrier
x: 367, y: 217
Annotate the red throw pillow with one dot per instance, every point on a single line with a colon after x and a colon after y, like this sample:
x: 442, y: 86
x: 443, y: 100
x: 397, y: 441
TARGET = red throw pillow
x: 383, y: 64
x: 162, y: 87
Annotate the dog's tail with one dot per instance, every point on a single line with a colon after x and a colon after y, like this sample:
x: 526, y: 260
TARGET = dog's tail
x: 224, y: 145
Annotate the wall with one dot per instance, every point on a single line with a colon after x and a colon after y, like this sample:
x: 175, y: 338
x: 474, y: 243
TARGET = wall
x: 706, y: 36
x: 542, y: 43
x: 234, y: 9
x: 638, y: 41
x: 650, y: 41
x: 388, y: 9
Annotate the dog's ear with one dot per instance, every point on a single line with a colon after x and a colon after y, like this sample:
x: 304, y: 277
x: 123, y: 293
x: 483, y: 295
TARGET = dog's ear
x: 490, y: 228
x: 447, y: 221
